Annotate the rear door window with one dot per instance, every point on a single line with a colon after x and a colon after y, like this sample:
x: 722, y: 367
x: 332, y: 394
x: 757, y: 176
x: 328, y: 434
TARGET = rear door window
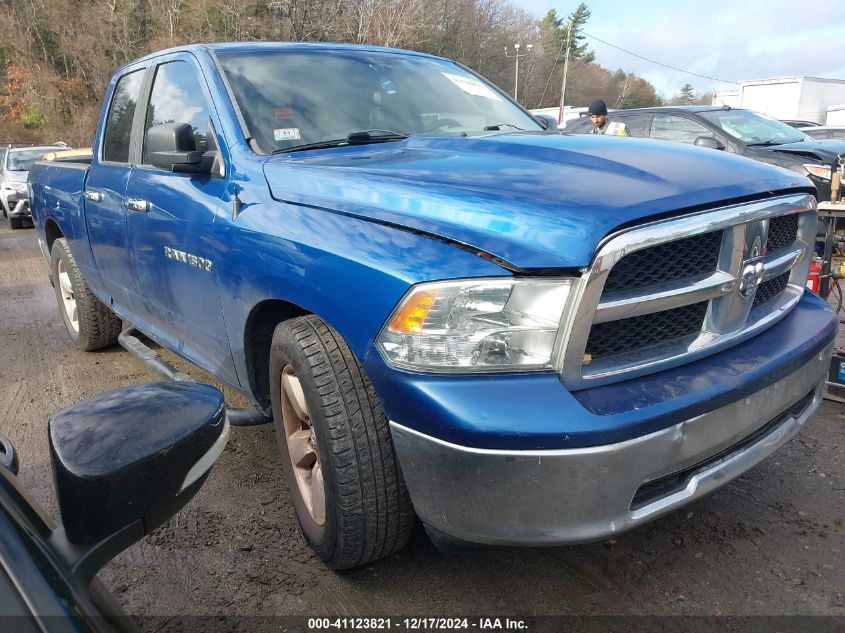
x: 118, y: 130
x: 669, y: 127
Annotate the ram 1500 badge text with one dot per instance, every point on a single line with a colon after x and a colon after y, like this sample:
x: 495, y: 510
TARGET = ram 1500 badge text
x: 518, y: 336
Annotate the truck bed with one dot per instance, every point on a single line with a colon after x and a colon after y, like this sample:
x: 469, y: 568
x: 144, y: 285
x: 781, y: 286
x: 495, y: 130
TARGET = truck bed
x: 58, y: 186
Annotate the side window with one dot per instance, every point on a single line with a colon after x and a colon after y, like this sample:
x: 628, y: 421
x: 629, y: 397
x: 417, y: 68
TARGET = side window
x: 838, y: 134
x: 3, y: 158
x: 121, y: 111
x: 821, y: 134
x: 177, y: 98
x: 637, y: 124
x: 667, y: 127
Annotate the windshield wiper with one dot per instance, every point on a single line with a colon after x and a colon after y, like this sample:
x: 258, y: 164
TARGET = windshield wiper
x: 361, y: 137
x: 763, y: 144
x: 374, y: 136
x: 318, y: 145
x: 498, y: 126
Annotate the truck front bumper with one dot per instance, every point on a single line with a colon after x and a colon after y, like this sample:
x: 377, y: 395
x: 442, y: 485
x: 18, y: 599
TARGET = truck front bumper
x: 560, y: 496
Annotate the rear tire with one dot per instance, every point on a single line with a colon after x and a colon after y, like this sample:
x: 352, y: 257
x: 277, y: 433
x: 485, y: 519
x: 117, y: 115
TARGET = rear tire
x: 89, y: 322
x: 336, y: 448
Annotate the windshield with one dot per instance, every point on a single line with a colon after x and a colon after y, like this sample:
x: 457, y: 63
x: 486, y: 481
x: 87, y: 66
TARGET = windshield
x: 754, y: 129
x: 295, y: 97
x: 23, y: 160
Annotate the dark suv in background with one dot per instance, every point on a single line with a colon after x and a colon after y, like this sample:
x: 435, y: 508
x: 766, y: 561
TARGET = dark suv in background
x: 734, y: 130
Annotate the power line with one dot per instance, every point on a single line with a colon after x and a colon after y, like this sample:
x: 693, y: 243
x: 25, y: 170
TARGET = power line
x: 654, y: 61
x: 554, y: 65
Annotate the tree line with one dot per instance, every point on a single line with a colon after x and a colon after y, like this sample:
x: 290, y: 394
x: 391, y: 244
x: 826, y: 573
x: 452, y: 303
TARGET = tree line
x: 56, y: 56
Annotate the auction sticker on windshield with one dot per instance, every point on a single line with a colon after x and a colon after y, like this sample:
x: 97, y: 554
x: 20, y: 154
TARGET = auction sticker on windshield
x: 286, y: 134
x: 472, y: 86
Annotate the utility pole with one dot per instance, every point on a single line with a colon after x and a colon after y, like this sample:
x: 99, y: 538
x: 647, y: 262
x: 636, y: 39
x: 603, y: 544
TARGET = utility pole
x: 516, y: 57
x: 565, y: 71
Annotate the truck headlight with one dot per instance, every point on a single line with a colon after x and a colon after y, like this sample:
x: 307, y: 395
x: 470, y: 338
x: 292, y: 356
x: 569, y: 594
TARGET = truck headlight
x: 819, y: 171
x: 476, y: 325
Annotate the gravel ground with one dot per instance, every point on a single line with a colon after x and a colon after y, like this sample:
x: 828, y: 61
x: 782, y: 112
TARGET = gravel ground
x: 770, y: 542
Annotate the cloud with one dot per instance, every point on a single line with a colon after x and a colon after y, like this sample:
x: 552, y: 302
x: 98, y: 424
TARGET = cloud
x: 756, y: 39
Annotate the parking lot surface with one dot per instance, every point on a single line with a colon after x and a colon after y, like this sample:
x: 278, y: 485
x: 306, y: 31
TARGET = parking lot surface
x: 770, y: 542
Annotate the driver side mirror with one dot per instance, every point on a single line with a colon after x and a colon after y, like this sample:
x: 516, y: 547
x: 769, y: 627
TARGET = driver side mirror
x: 173, y: 147
x: 124, y: 462
x: 709, y: 141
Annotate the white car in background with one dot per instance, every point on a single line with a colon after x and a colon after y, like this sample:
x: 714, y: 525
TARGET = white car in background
x: 14, y: 171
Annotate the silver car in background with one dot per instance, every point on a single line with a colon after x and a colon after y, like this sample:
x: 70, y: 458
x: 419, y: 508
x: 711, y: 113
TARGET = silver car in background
x: 14, y: 171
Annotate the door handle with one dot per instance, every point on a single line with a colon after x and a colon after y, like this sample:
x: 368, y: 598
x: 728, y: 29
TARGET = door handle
x: 93, y: 196
x: 136, y: 204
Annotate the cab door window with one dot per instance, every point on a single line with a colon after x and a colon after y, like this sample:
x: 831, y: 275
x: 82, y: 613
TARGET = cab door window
x: 667, y: 127
x: 118, y: 130
x: 177, y: 97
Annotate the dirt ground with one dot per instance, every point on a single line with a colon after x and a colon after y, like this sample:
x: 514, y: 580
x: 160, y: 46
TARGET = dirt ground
x: 770, y: 542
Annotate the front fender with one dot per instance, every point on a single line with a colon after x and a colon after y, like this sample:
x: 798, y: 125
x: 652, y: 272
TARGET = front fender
x: 348, y: 271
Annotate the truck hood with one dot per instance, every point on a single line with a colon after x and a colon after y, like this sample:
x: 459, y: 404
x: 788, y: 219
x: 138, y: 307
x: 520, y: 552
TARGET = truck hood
x: 536, y: 201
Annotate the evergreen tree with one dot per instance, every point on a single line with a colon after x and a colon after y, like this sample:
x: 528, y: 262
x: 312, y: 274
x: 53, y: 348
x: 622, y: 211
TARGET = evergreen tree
x: 578, y: 45
x: 554, y: 31
x: 686, y: 96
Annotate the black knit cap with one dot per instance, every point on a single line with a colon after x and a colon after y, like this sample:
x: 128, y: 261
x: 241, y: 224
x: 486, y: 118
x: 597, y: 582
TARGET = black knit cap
x: 597, y: 106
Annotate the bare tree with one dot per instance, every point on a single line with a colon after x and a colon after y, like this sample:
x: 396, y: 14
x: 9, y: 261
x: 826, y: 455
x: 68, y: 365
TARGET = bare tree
x: 71, y: 47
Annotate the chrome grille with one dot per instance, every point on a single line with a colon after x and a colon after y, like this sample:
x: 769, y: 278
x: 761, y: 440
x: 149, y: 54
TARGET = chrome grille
x: 665, y: 262
x: 625, y: 326
x: 782, y: 232
x: 768, y: 290
x: 615, y: 337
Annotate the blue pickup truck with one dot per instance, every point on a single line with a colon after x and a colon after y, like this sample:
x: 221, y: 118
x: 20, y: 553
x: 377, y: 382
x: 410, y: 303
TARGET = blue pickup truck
x: 449, y: 312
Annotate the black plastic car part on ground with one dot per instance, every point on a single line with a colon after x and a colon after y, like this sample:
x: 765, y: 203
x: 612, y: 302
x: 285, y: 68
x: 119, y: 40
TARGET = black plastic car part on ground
x: 734, y: 130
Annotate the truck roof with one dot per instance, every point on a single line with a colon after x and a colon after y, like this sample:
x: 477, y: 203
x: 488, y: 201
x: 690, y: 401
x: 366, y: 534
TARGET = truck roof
x: 216, y: 47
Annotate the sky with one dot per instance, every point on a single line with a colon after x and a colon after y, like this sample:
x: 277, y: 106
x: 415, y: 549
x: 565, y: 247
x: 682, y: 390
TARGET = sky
x: 730, y: 40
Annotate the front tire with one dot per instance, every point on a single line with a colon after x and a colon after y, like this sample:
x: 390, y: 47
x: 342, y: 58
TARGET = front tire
x: 89, y: 322
x: 15, y: 222
x: 336, y: 448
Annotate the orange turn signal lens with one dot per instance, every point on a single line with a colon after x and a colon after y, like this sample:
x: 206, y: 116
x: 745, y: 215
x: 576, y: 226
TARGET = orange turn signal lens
x: 410, y: 318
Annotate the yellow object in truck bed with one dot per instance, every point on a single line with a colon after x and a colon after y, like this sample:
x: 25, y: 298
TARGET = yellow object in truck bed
x: 68, y: 154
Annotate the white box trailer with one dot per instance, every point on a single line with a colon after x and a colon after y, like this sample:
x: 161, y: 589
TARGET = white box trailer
x: 801, y: 98
x: 835, y: 115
